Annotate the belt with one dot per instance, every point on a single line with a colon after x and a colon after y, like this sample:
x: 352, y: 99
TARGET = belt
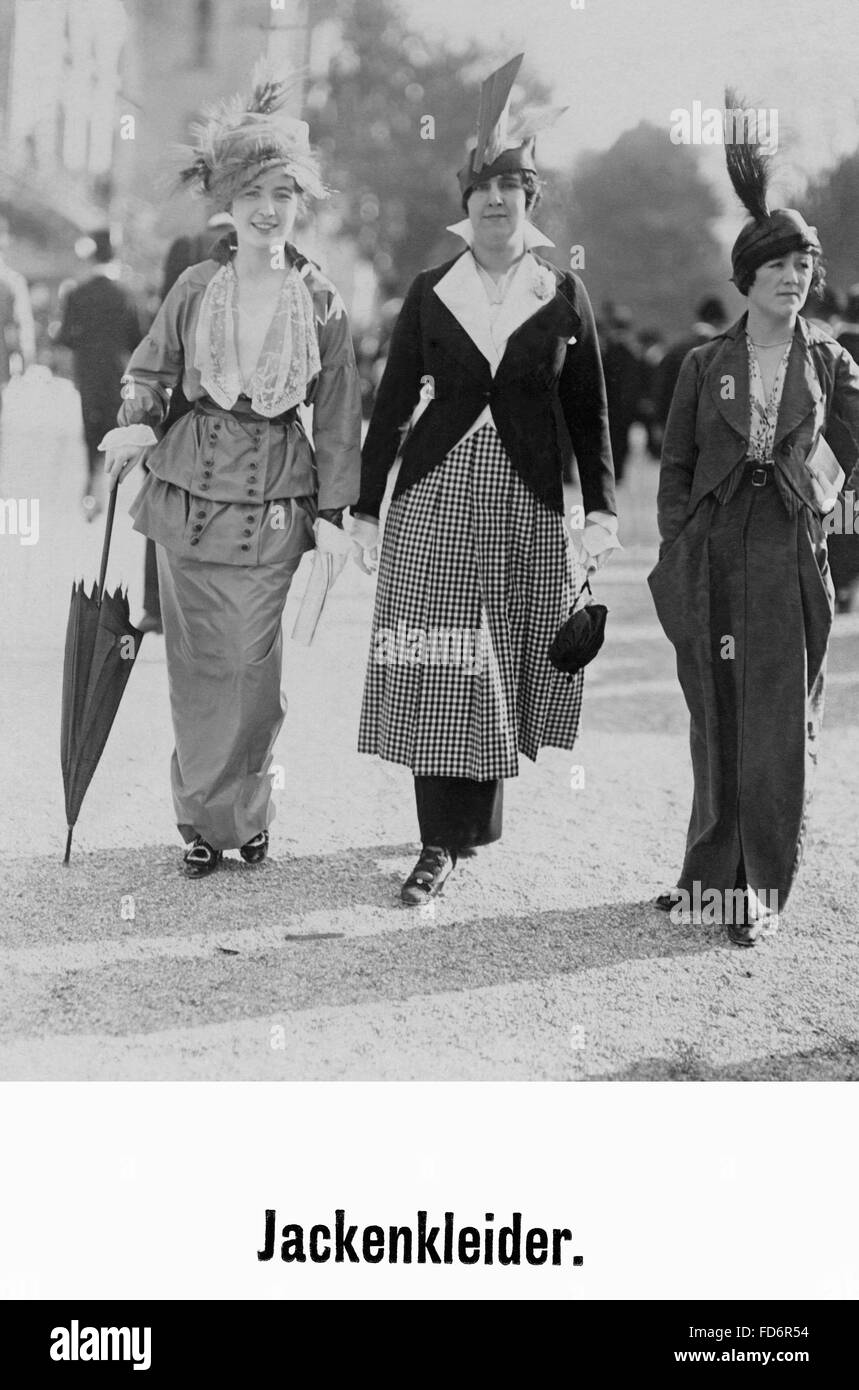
x: 243, y: 411
x: 761, y: 472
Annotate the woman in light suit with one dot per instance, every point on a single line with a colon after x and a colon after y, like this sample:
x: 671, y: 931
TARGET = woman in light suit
x: 742, y: 587
x: 234, y: 494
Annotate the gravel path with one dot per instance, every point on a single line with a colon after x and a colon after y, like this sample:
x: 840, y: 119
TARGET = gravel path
x: 544, y: 958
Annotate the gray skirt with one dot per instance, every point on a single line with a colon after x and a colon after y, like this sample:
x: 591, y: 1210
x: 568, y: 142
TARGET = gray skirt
x: 222, y: 632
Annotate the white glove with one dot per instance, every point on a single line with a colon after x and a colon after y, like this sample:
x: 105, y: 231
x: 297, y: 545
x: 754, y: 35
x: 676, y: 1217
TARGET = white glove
x: 331, y: 539
x: 123, y: 448
x: 121, y: 460
x: 364, y: 536
x: 593, y: 545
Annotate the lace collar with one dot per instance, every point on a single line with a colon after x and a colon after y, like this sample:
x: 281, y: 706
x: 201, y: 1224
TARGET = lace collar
x: 289, y: 357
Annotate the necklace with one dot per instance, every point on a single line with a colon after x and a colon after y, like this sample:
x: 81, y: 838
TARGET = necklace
x: 770, y: 345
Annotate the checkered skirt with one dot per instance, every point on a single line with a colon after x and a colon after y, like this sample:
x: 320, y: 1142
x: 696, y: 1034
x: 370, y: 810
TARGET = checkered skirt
x: 475, y: 578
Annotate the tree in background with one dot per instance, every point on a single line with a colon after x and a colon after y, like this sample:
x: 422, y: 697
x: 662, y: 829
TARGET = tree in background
x: 644, y: 215
x: 385, y: 85
x: 831, y: 204
x: 641, y: 209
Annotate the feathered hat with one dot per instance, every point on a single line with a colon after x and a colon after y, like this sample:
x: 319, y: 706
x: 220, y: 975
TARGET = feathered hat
x: 239, y: 139
x: 501, y: 147
x: 771, y: 232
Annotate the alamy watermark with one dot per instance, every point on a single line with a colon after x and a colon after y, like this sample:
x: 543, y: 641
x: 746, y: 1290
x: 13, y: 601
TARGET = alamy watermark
x: 723, y: 906
x: 843, y: 519
x: 461, y: 647
x: 19, y: 516
x: 712, y: 125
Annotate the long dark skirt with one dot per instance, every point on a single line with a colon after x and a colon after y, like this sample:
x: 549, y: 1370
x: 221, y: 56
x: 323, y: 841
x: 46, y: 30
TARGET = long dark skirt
x: 745, y: 596
x: 459, y: 813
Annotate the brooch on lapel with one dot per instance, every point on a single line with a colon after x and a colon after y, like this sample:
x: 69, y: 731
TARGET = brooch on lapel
x: 544, y: 282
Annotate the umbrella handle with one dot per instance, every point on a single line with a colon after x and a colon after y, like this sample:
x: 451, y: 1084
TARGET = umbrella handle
x: 105, y: 550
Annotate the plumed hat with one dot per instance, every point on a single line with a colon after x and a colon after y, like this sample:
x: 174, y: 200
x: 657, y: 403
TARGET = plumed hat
x: 239, y: 139
x: 771, y: 232
x: 502, y: 147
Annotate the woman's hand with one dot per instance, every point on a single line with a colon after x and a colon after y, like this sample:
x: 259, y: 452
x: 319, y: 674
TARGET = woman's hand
x: 593, y: 545
x: 331, y: 539
x: 123, y: 447
x: 365, y: 543
x: 586, y: 561
x: 120, y: 460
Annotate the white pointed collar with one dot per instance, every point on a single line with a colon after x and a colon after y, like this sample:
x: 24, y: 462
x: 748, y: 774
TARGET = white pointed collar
x: 533, y: 235
x: 461, y: 290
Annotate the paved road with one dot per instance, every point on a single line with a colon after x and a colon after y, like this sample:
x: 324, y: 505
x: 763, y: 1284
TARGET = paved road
x: 544, y: 958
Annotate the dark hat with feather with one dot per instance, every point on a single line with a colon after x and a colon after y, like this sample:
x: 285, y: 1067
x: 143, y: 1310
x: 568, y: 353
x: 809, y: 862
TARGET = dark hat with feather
x: 239, y: 139
x: 502, y: 146
x: 771, y: 232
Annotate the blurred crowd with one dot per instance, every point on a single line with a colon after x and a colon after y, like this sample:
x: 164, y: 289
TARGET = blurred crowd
x: 86, y: 329
x: 641, y: 366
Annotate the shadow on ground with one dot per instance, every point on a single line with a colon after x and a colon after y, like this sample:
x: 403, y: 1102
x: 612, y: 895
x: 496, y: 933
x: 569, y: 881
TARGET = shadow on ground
x: 837, y: 1061
x: 327, y: 965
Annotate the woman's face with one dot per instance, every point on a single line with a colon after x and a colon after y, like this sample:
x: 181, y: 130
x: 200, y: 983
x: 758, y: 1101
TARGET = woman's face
x: 496, y: 211
x: 781, y: 286
x: 264, y: 210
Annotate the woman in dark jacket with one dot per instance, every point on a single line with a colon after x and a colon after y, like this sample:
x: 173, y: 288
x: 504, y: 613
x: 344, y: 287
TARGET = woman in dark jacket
x: 742, y: 587
x: 476, y: 568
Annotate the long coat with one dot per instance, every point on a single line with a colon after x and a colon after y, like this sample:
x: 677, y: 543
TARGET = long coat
x: 547, y: 391
x: 102, y: 327
x: 844, y: 547
x: 743, y: 592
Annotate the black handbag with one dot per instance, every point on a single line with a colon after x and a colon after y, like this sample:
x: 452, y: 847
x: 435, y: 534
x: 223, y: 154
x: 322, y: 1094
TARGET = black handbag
x: 578, y: 640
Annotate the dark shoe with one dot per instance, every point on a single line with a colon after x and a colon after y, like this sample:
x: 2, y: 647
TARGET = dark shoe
x: 666, y: 901
x: 428, y: 876
x: 201, y: 859
x: 746, y: 934
x: 255, y: 851
x: 149, y: 623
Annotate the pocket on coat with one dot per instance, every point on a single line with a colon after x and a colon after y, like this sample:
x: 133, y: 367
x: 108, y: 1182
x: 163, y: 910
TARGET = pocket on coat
x: 675, y: 585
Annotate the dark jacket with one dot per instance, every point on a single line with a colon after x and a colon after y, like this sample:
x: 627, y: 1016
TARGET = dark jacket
x: 669, y: 370
x: 708, y: 426
x: 849, y: 339
x: 102, y: 327
x: 542, y: 383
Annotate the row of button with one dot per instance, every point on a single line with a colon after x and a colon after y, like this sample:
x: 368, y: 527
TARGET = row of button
x: 202, y: 516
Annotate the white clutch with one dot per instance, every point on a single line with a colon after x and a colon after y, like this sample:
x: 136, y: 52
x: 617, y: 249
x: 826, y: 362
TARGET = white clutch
x: 827, y: 475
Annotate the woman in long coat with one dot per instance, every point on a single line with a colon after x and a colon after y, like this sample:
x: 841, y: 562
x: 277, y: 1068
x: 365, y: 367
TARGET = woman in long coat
x: 476, y: 572
x: 742, y: 587
x: 234, y: 494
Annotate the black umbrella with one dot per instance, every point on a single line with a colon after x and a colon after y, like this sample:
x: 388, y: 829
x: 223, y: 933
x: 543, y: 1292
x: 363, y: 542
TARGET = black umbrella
x: 101, y: 648
x: 578, y: 640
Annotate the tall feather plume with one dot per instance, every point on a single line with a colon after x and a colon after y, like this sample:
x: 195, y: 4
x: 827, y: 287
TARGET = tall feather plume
x: 748, y: 166
x: 270, y: 88
x: 492, y: 116
x: 224, y: 120
x: 530, y: 122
